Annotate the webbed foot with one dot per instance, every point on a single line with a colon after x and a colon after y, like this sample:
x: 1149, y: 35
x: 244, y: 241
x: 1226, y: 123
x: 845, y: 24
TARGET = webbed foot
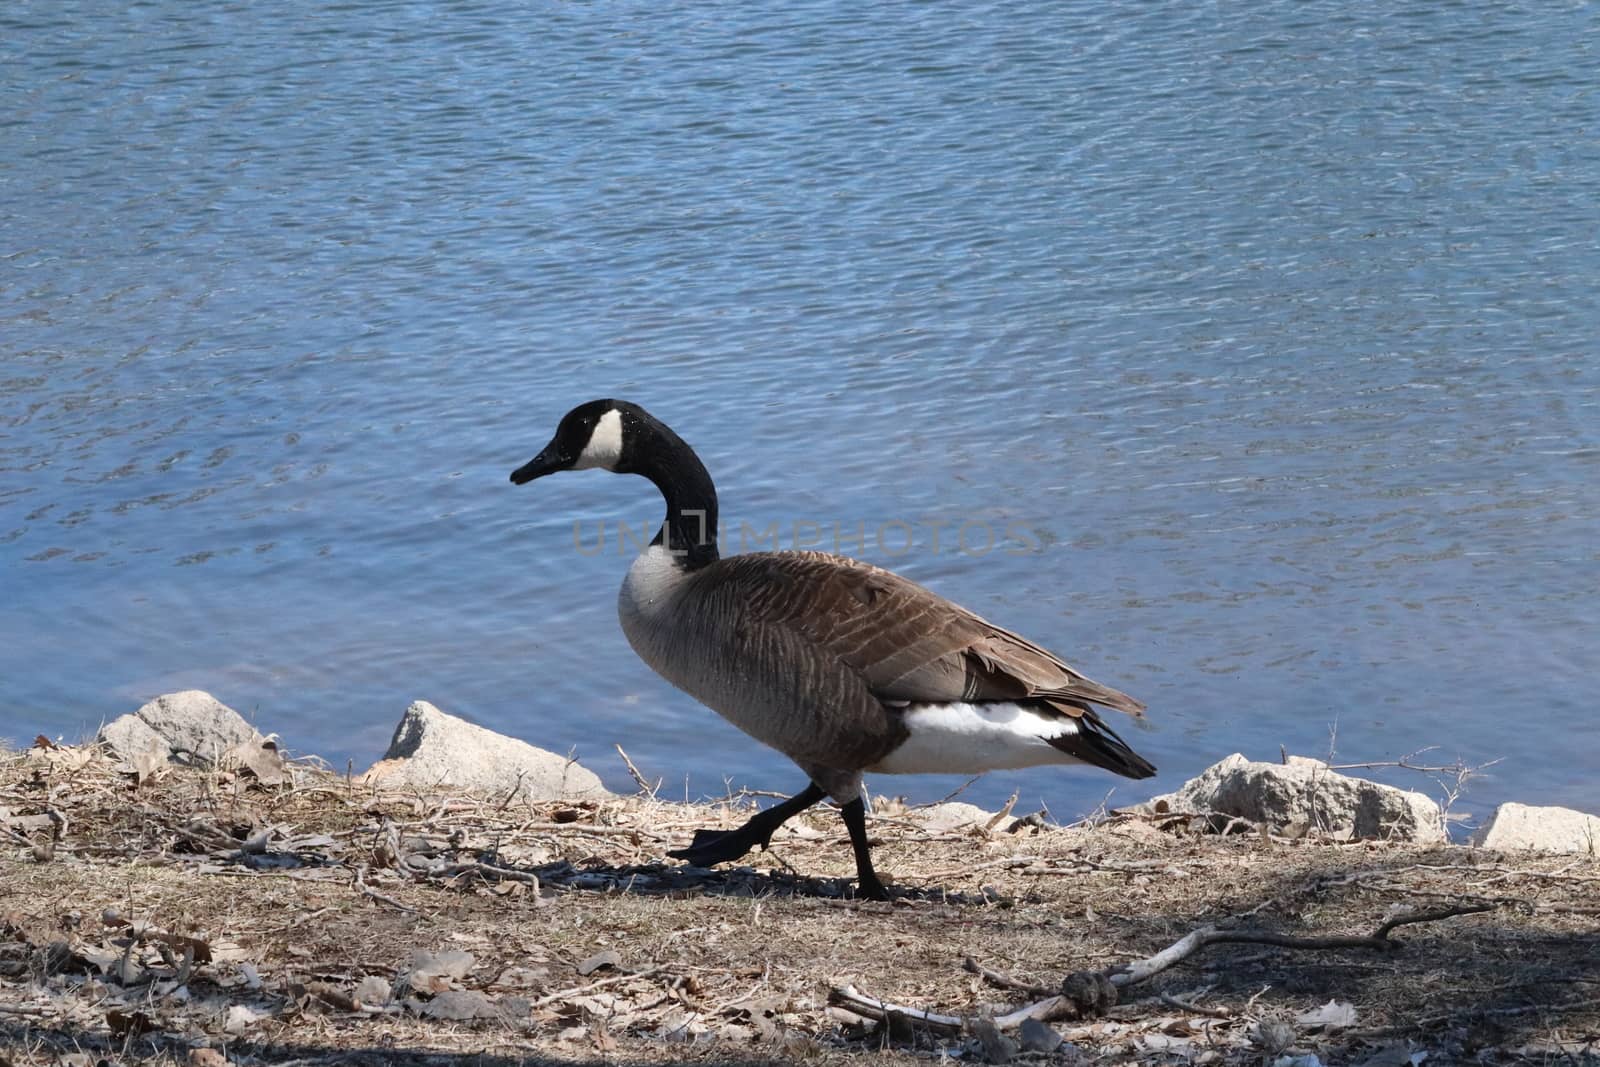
x: 719, y: 846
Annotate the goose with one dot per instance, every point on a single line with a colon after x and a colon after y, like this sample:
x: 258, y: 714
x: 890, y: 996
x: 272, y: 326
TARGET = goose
x: 842, y: 666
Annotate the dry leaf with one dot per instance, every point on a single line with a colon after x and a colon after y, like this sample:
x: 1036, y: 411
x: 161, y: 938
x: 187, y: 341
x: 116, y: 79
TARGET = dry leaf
x: 997, y: 1048
x: 521, y: 978
x: 147, y: 765
x: 1334, y: 1015
x: 373, y: 991
x: 239, y: 1018
x: 332, y: 995
x: 608, y: 958
x: 1274, y: 1035
x: 128, y: 1023
x: 435, y: 972
x: 260, y: 759
x: 458, y: 1005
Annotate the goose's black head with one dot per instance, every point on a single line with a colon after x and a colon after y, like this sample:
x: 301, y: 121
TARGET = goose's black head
x: 615, y: 435
x: 599, y: 434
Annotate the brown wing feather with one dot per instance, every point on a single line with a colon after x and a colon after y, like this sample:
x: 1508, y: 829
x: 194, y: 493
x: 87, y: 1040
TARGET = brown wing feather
x: 906, y: 642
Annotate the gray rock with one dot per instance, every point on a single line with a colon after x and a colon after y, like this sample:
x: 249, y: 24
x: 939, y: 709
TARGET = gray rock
x: 187, y: 727
x: 1305, y: 792
x: 197, y: 724
x: 130, y: 736
x: 432, y: 748
x: 1518, y: 826
x: 1038, y: 1037
x: 456, y: 1005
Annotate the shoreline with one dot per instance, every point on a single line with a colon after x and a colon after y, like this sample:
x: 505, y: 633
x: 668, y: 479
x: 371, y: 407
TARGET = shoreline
x: 254, y: 911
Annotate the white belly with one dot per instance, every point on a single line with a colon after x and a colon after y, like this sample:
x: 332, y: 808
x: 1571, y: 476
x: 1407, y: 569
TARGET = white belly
x: 973, y: 738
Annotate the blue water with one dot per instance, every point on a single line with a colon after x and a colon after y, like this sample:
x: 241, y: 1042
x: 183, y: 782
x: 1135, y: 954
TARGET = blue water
x: 1273, y: 328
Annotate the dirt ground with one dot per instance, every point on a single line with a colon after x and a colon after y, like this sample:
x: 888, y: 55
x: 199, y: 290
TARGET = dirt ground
x: 179, y: 916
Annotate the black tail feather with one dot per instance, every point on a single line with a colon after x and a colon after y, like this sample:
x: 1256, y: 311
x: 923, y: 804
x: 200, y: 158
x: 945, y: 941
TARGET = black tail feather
x: 1096, y: 743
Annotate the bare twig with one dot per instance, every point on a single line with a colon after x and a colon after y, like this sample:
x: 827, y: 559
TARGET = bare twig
x: 1189, y: 1006
x: 368, y: 891
x: 1431, y: 1021
x: 590, y: 828
x: 644, y: 787
x: 1002, y: 815
x: 599, y: 984
x: 958, y: 790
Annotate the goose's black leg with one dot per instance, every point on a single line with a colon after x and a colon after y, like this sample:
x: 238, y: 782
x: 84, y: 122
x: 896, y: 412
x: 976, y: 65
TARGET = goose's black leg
x: 868, y: 886
x: 719, y: 846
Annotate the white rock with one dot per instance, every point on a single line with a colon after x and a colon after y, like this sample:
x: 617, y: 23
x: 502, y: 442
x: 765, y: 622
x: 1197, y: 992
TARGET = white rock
x: 432, y: 748
x: 1305, y: 791
x: 1518, y: 826
x: 240, y: 1017
x: 949, y: 816
x: 188, y: 727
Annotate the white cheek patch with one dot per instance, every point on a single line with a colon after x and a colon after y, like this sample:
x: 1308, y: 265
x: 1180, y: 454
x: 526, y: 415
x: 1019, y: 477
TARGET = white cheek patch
x: 605, y: 444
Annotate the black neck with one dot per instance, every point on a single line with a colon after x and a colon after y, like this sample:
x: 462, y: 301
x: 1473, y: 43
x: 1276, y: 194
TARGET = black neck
x: 690, y: 528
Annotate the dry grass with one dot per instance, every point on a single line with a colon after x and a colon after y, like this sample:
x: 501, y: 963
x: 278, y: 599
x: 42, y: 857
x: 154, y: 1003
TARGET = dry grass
x: 201, y: 914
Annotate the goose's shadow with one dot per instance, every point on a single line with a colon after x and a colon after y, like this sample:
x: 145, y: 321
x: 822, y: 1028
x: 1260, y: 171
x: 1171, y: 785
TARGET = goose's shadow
x: 683, y: 880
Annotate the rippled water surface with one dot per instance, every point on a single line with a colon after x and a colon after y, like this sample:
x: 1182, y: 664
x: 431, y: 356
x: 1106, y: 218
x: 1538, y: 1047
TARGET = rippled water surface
x: 1274, y: 330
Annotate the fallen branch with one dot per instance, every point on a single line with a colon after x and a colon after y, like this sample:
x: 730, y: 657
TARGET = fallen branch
x: 1195, y: 940
x: 487, y: 871
x: 1063, y: 1006
x: 1004, y: 981
x: 853, y: 1000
